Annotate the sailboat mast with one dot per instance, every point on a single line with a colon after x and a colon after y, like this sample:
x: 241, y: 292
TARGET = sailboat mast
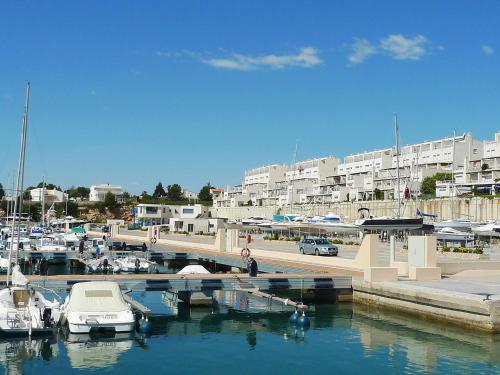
x: 294, y: 163
x: 23, y: 158
x: 18, y: 197
x: 43, y: 203
x: 453, y: 179
x: 396, y: 129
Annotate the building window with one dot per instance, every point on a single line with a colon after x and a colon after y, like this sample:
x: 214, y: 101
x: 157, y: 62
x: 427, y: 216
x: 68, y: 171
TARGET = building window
x: 190, y: 228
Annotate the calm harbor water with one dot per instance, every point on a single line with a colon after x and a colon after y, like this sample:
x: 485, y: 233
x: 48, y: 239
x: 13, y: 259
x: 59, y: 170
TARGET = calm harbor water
x: 241, y: 336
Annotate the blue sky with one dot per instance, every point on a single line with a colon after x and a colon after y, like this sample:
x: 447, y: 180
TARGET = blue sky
x: 133, y: 93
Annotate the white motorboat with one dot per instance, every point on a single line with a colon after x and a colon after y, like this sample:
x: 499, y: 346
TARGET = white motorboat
x: 51, y: 243
x: 25, y: 311
x: 290, y: 223
x: 97, y: 305
x: 332, y: 223
x: 487, y: 230
x: 451, y: 234
x: 103, y: 264
x: 134, y: 264
x: 459, y: 224
x: 24, y: 244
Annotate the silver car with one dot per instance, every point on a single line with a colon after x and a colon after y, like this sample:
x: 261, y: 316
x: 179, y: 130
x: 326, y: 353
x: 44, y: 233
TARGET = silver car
x: 318, y: 246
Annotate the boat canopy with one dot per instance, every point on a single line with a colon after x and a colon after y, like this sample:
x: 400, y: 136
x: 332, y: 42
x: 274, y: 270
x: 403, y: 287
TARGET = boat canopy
x: 77, y: 230
x: 97, y: 296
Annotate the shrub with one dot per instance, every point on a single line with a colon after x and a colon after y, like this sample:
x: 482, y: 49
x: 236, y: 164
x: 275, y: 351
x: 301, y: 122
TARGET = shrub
x: 337, y: 241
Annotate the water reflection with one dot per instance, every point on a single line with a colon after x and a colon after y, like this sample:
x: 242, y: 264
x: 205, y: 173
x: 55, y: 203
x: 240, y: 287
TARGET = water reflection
x: 97, y: 351
x: 15, y: 352
x: 235, y: 328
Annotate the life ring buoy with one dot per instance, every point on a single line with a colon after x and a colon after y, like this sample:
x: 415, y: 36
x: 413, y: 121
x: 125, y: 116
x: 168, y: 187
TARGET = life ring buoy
x: 245, y: 252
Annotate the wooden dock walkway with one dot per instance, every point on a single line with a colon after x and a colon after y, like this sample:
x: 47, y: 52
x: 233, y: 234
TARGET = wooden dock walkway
x: 223, y: 281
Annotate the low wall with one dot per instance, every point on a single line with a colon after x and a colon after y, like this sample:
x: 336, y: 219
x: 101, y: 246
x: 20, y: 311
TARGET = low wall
x: 461, y: 309
x: 477, y: 209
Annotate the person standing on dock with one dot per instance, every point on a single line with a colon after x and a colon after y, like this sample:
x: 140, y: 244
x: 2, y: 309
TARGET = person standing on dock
x: 97, y: 252
x: 253, y: 269
x: 81, y: 247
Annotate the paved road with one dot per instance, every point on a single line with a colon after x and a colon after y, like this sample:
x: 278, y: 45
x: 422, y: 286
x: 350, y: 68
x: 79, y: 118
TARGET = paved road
x: 345, y: 251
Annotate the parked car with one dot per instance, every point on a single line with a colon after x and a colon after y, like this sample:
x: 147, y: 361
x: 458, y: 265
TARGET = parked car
x: 318, y: 246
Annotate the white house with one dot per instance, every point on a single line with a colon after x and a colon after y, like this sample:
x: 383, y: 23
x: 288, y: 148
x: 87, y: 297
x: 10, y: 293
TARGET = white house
x: 98, y: 192
x: 51, y: 196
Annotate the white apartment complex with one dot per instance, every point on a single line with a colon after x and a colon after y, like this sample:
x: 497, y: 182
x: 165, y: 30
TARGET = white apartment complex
x: 361, y: 176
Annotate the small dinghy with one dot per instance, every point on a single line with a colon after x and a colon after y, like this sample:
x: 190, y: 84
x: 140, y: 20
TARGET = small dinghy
x: 97, y: 305
x: 25, y: 311
x: 134, y: 264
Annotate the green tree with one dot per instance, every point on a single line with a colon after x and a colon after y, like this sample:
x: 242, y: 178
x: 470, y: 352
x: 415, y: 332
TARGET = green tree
x: 159, y: 191
x: 379, y: 195
x: 205, y: 195
x: 110, y: 200
x: 174, y: 192
x: 49, y: 186
x: 81, y: 192
x: 485, y: 167
x: 2, y: 192
x: 428, y: 185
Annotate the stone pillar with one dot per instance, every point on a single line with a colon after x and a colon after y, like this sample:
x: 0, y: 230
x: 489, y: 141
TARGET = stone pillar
x: 220, y: 240
x: 367, y: 259
x: 422, y: 258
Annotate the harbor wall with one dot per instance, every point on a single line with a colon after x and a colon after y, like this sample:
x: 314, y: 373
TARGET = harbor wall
x: 476, y: 209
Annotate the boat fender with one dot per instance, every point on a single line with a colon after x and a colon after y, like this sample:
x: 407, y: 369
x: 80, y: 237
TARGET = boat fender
x: 245, y: 252
x: 137, y: 263
x: 145, y: 326
x: 303, y: 321
x: 294, y: 317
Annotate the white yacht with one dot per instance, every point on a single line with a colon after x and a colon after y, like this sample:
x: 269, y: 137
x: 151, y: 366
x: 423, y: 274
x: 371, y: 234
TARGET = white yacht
x: 25, y: 311
x: 451, y: 234
x: 487, y: 230
x: 134, y: 264
x: 332, y: 223
x: 24, y: 244
x: 97, y: 305
x: 459, y: 224
x: 51, y: 243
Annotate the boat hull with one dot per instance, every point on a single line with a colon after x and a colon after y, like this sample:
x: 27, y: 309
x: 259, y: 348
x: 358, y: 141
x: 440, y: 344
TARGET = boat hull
x: 86, y: 328
x: 391, y: 224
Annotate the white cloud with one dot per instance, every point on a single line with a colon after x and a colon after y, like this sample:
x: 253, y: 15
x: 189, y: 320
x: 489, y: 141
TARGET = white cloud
x: 361, y: 49
x: 306, y: 58
x: 402, y: 48
x: 487, y: 50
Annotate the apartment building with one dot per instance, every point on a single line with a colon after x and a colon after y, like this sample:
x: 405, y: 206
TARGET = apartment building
x: 360, y: 176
